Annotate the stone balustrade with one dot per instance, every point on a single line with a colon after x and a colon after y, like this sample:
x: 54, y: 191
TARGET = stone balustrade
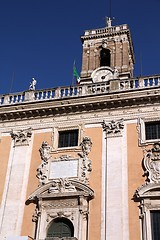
x: 106, y: 30
x: 81, y: 90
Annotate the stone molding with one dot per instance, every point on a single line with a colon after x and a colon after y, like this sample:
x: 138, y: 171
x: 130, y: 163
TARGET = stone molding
x: 78, y: 104
x: 21, y: 137
x: 48, y: 191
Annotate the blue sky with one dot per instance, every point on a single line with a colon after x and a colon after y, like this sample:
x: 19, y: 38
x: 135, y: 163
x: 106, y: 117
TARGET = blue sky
x: 41, y: 38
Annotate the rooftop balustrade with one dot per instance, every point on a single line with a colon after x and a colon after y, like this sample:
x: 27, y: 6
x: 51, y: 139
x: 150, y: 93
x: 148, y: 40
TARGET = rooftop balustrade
x: 108, y: 87
x: 106, y: 30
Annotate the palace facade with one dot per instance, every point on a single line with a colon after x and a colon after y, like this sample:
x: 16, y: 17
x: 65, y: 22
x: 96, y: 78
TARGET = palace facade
x: 83, y: 162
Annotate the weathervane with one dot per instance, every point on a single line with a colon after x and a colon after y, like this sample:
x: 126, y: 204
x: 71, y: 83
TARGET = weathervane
x: 108, y: 20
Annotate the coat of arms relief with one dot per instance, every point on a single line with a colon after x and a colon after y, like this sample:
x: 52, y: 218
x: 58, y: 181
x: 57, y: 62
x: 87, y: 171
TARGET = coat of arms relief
x: 152, y: 163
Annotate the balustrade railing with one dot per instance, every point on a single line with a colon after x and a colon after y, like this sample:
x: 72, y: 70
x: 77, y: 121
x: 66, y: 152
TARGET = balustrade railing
x: 81, y: 90
x: 106, y: 30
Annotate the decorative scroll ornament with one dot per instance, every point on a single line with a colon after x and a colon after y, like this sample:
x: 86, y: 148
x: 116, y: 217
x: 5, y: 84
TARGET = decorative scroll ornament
x: 62, y: 185
x: 113, y: 127
x: 152, y: 163
x: 42, y: 170
x: 22, y: 137
x: 86, y: 167
x: 36, y: 215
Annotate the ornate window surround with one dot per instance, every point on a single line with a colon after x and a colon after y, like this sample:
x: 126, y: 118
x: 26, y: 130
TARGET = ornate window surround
x: 82, y: 163
x: 141, y: 131
x: 68, y: 199
x: 62, y: 196
x: 148, y: 194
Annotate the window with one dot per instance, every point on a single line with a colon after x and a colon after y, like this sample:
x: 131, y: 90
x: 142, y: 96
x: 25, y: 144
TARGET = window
x: 105, y: 57
x: 68, y: 138
x: 155, y: 224
x: 152, y: 130
x: 60, y: 227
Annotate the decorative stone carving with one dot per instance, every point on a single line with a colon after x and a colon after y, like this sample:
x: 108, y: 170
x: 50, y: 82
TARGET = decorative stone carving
x: 152, y: 163
x: 42, y: 170
x: 36, y: 215
x: 86, y: 145
x: 64, y: 157
x: 22, y: 137
x: 60, y: 203
x: 113, y: 127
x: 64, y: 167
x: 42, y: 173
x: 45, y: 151
x: 86, y: 167
x: 116, y: 73
x: 62, y: 185
x: 73, y: 206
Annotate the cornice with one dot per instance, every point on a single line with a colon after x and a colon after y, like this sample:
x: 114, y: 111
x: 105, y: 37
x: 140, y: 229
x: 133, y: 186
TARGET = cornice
x: 104, y: 34
x: 92, y: 103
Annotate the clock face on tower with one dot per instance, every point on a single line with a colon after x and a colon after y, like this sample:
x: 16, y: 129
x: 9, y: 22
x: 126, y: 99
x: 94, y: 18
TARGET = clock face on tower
x: 102, y: 74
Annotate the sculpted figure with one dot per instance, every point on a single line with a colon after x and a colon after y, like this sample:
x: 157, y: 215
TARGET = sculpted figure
x: 32, y: 85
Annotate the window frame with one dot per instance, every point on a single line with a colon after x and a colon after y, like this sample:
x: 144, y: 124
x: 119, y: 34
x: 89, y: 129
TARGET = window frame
x: 141, y: 127
x: 55, y: 137
x: 67, y: 143
x: 156, y: 125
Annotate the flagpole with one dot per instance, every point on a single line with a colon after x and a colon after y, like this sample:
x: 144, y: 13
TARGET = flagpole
x: 73, y: 73
x: 12, y: 79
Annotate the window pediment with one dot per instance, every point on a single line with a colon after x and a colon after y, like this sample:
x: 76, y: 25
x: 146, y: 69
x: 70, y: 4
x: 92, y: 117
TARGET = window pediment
x: 149, y: 190
x: 62, y: 188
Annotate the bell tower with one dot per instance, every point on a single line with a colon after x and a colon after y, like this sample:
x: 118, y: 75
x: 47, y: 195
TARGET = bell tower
x: 110, y: 47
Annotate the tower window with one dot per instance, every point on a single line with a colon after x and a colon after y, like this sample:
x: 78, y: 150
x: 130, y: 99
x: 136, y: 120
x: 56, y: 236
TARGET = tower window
x: 60, y: 227
x: 68, y: 138
x: 152, y: 130
x: 105, y: 57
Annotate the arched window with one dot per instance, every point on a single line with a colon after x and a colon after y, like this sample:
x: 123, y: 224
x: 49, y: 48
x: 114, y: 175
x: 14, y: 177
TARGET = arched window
x: 60, y: 227
x: 105, y: 57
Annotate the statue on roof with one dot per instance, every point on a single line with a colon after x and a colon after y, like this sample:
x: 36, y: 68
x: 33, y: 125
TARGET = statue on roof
x: 32, y: 85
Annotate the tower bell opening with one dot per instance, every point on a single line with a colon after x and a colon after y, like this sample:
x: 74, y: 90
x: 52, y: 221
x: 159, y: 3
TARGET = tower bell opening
x: 105, y: 57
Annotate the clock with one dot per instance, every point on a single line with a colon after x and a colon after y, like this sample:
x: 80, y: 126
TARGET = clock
x: 102, y: 75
